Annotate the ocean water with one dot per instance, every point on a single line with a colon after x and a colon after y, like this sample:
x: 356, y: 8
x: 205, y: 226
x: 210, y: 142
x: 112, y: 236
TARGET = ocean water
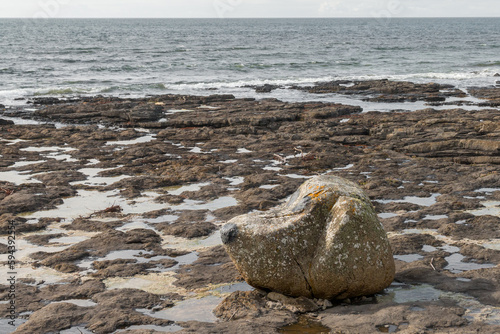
x: 68, y: 57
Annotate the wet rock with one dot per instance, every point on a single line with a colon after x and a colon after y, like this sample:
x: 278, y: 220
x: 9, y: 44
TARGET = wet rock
x: 33, y: 199
x: 213, y: 266
x: 295, y: 305
x: 89, y: 225
x: 480, y: 254
x: 69, y: 255
x: 370, y: 149
x: 478, y: 228
x: 4, y: 121
x: 31, y: 298
x: 371, y: 318
x: 100, y: 319
x: 131, y: 298
x: 242, y: 305
x: 21, y: 224
x: 43, y: 239
x: 120, y: 268
x: 42, y: 322
x: 412, y: 243
x: 266, y: 88
x: 73, y: 290
x: 386, y: 90
x: 187, y: 230
x: 314, y: 244
x: 66, y: 267
x: 100, y: 245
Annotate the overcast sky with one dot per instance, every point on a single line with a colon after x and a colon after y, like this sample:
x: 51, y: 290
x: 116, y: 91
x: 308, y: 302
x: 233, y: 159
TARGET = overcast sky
x: 248, y: 8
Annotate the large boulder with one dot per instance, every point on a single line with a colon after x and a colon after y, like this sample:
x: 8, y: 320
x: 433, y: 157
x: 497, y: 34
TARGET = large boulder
x: 325, y: 242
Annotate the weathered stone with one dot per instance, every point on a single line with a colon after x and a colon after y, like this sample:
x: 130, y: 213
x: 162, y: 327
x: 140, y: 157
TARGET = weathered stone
x: 325, y: 242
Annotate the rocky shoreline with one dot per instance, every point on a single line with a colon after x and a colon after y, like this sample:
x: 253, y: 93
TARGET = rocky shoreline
x: 117, y: 204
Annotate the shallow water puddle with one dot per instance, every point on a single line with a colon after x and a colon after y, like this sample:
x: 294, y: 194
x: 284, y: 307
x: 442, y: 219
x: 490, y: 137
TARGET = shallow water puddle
x: 492, y: 244
x: 271, y: 168
x: 488, y: 191
x: 48, y: 149
x: 77, y: 302
x: 53, y: 152
x: 12, y: 141
x: 428, y: 248
x: 88, y: 202
x: 175, y: 111
x: 6, y: 328
x: 26, y: 163
x: 268, y: 186
x: 235, y: 181
x: 135, y: 225
x: 422, y: 201
x: 386, y: 215
x: 190, y: 309
x: 400, y: 293
x: 345, y: 167
x: 190, y: 187
x: 456, y: 264
x: 231, y: 161
x: 490, y: 208
x: 166, y: 329
x: 139, y: 256
x: 192, y: 244
x: 297, y: 176
x: 233, y: 287
x: 60, y: 157
x: 140, y: 140
x: 435, y: 217
x: 219, y: 203
x: 94, y: 180
x: 243, y: 151
x: 419, y: 231
x: 43, y: 275
x: 24, y: 249
x: 161, y: 219
x: 408, y: 257
x: 17, y: 177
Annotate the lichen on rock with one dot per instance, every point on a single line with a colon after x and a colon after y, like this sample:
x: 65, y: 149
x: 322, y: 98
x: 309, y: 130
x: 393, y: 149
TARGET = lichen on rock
x: 325, y: 242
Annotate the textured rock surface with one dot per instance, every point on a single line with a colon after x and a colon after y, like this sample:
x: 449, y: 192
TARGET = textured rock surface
x: 325, y: 242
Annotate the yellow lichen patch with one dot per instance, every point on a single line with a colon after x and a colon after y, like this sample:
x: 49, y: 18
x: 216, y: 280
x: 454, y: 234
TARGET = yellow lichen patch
x: 317, y: 193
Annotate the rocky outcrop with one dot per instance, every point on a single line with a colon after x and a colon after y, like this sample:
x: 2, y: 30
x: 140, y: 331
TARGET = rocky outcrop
x: 181, y: 111
x: 386, y: 90
x: 325, y: 242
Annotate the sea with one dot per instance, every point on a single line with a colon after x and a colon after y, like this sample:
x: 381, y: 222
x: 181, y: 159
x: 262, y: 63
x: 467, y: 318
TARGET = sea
x: 139, y: 57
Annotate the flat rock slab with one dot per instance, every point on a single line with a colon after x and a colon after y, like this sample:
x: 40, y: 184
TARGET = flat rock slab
x: 325, y: 242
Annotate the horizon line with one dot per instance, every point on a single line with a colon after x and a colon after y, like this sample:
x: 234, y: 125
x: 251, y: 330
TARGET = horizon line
x: 284, y: 17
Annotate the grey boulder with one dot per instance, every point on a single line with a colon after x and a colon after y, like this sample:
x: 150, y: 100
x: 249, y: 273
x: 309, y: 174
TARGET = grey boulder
x: 325, y: 242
